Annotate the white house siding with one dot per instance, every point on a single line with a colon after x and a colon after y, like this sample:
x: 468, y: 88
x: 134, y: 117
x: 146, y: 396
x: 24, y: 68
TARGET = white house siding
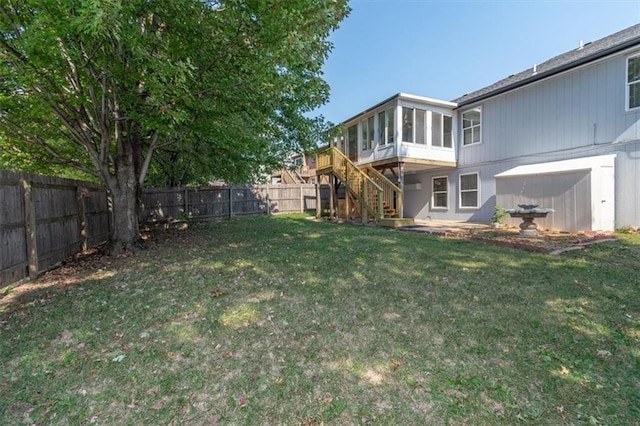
x: 418, y: 203
x: 628, y: 185
x: 569, y: 194
x: 579, y: 113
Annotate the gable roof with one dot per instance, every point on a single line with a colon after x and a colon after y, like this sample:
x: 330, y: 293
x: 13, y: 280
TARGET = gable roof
x: 589, y: 52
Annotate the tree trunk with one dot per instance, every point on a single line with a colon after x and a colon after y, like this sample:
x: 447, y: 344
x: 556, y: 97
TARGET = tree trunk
x: 125, y: 231
x: 123, y: 191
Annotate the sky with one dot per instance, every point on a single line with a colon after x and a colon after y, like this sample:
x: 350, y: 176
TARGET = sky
x: 445, y: 49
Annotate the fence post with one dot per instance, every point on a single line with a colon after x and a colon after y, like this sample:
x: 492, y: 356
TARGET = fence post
x: 301, y: 199
x: 230, y: 202
x: 318, y: 199
x: 30, y: 227
x: 186, y: 203
x: 82, y: 193
x: 268, y: 204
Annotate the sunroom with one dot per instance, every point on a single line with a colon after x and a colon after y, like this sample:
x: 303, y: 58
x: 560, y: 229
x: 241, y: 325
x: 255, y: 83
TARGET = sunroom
x: 402, y: 134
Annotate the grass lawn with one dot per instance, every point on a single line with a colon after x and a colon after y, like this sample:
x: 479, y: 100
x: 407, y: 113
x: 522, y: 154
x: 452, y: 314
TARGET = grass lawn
x: 284, y: 320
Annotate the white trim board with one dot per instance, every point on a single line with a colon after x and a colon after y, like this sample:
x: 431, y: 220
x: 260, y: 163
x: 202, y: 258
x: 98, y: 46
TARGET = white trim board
x: 585, y: 163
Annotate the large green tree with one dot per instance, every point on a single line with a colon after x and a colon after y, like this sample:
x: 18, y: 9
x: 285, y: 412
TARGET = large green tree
x: 105, y: 85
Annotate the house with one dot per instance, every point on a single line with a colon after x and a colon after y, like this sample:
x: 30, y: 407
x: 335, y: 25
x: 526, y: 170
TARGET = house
x: 564, y: 134
x: 297, y: 169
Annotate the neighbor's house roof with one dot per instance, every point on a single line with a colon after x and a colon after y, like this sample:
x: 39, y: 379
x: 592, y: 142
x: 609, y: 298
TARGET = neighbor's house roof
x: 574, y: 58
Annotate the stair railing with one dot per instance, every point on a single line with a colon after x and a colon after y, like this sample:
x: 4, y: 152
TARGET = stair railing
x: 368, y: 193
x: 390, y: 190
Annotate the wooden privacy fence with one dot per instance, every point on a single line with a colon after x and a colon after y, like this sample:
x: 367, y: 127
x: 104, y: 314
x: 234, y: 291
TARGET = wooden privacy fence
x: 205, y: 203
x: 44, y: 220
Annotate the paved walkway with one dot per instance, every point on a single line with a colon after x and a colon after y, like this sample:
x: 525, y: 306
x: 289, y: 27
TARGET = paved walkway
x: 444, y: 227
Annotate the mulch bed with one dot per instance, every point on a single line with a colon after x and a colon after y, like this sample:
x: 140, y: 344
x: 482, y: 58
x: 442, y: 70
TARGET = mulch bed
x: 550, y: 242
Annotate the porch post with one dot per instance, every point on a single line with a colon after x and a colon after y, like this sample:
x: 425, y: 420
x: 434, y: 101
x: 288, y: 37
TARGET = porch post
x: 399, y: 198
x: 363, y: 210
x: 331, y: 197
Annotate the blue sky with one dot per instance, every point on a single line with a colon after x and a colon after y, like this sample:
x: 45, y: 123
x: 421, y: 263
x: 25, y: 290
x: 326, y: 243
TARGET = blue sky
x: 444, y: 49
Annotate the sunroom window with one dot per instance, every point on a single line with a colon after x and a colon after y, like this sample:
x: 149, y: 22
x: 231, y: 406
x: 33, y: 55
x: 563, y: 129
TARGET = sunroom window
x: 352, y: 143
x: 407, y: 124
x: 368, y: 132
x: 441, y: 134
x: 382, y: 128
x: 414, y: 124
x: 364, y: 135
x: 633, y: 82
x: 471, y: 126
x: 421, y: 126
x: 391, y: 125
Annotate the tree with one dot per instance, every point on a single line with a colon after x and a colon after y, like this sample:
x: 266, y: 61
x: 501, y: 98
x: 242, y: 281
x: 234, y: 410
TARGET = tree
x: 104, y: 85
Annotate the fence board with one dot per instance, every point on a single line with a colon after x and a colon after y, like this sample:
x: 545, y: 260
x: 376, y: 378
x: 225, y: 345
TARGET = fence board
x: 52, y: 218
x: 206, y: 203
x: 41, y: 222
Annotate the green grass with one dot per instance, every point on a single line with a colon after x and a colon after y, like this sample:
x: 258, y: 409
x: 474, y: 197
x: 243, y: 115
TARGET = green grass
x: 283, y: 320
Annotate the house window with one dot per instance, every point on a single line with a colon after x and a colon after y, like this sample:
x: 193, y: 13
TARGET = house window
x: 407, y: 124
x: 367, y: 133
x: 364, y: 135
x: 633, y: 82
x: 471, y: 126
x: 421, y: 125
x: 469, y: 190
x: 382, y: 129
x: 391, y: 125
x: 352, y: 142
x: 440, y: 192
x: 441, y: 134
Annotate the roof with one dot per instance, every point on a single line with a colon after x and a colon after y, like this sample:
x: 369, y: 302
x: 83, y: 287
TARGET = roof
x: 575, y: 164
x: 404, y: 96
x: 589, y: 52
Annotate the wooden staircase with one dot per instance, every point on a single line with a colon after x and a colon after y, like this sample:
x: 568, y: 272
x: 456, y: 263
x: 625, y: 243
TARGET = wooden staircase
x: 378, y: 197
x: 291, y: 177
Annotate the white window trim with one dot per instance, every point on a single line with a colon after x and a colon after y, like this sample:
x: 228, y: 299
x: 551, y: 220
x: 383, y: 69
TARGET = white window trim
x: 433, y: 194
x: 477, y: 206
x: 627, y: 92
x: 479, y: 108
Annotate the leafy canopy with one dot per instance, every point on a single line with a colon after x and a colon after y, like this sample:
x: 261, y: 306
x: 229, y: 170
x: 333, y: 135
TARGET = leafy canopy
x: 212, y: 88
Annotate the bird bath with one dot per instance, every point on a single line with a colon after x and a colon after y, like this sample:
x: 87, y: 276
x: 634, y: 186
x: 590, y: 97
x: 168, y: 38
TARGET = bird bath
x: 528, y: 212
